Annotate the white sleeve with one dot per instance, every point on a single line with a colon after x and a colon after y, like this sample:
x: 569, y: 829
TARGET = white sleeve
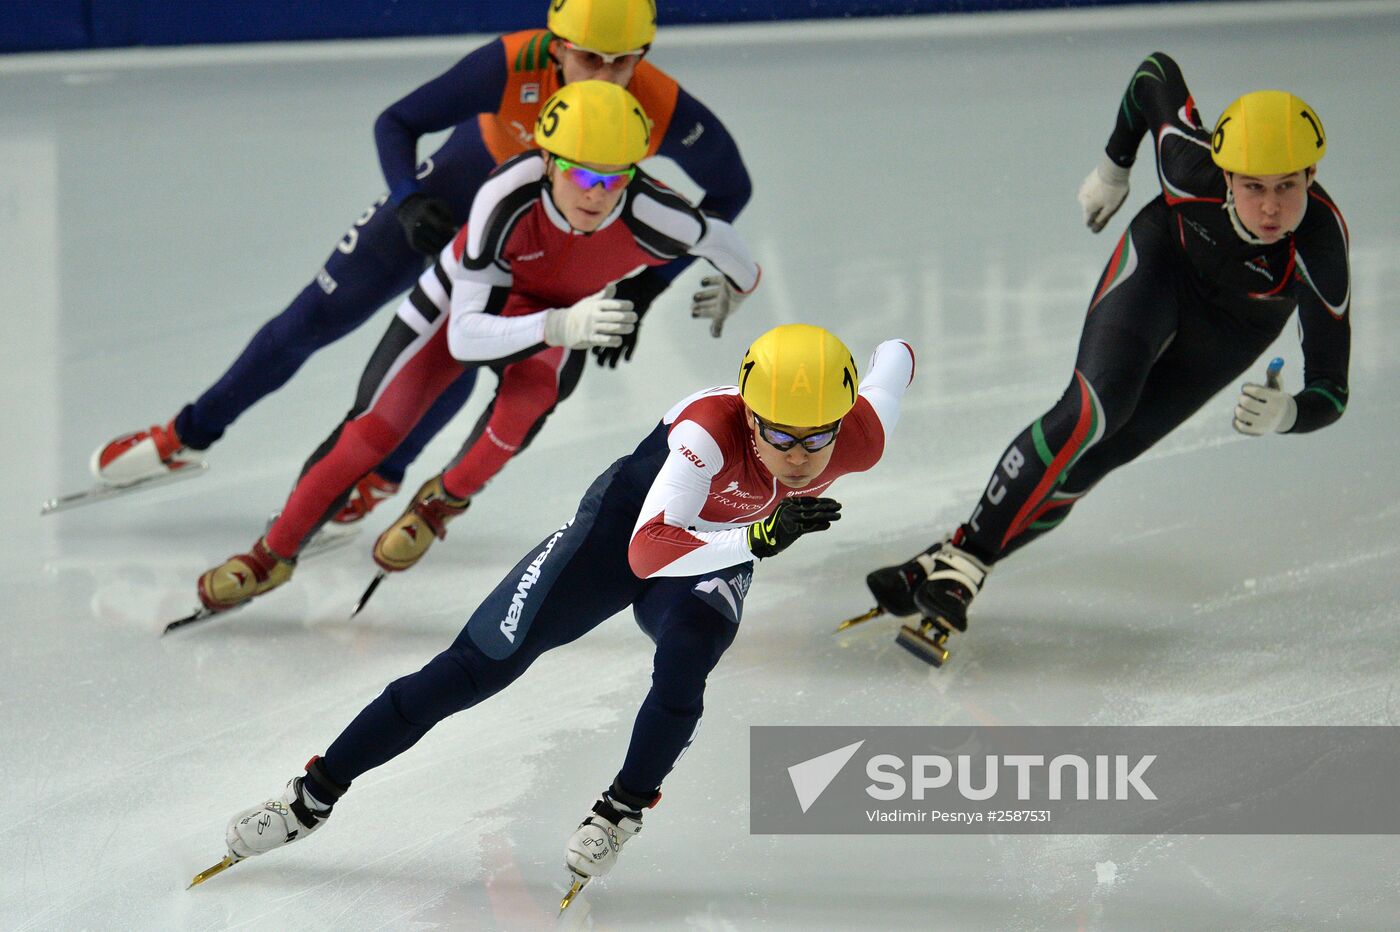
x: 887, y: 376
x: 665, y: 541
x: 680, y: 225
x: 725, y: 249
x: 472, y: 334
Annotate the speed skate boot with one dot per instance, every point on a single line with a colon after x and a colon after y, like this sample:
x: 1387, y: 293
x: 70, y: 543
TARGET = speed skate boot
x: 408, y: 538
x: 243, y: 577
x: 893, y: 586
x: 281, y: 821
x: 952, y: 582
x: 146, y: 454
x: 367, y: 493
x: 593, y: 850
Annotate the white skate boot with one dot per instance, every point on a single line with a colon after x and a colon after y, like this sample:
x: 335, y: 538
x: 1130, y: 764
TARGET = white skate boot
x: 276, y: 822
x: 143, y: 455
x: 594, y: 848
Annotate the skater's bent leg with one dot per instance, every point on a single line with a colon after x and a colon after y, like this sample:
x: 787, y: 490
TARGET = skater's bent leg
x: 396, y: 464
x: 417, y: 368
x: 528, y: 392
x: 1132, y: 320
x: 691, y: 635
x: 578, y: 578
x: 354, y: 283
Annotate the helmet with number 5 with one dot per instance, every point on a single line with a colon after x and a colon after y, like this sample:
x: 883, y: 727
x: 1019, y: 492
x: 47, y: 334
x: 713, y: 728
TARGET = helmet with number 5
x: 798, y: 375
x: 593, y: 121
x: 1268, y: 133
x: 607, y: 26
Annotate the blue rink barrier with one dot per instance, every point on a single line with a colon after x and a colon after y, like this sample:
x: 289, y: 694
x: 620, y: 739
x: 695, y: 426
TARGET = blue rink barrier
x: 40, y: 25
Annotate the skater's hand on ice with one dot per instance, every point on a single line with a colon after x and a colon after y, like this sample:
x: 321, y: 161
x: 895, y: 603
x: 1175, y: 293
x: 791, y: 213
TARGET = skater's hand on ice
x: 790, y: 520
x: 427, y: 222
x: 1103, y: 192
x: 716, y: 300
x: 597, y: 320
x: 1266, y: 409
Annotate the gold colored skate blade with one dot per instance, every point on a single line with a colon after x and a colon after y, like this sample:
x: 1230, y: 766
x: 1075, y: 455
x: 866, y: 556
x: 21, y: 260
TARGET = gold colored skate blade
x: 574, y: 890
x: 875, y: 612
x: 932, y: 650
x: 228, y: 861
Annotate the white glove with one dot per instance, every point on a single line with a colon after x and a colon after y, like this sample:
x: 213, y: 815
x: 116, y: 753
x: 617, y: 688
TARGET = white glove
x: 597, y: 320
x: 716, y: 299
x: 1265, y: 409
x: 1103, y: 192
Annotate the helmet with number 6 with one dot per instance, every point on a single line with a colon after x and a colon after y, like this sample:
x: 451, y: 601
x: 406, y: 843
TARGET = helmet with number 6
x: 1268, y: 133
x: 798, y: 375
x: 593, y: 121
x: 608, y: 26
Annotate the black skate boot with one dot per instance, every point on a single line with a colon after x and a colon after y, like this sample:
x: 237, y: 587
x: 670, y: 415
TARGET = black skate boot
x: 893, y: 586
x: 952, y: 582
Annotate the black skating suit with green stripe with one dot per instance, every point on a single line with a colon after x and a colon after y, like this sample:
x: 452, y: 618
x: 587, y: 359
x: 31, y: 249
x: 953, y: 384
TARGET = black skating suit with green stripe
x: 1185, y: 306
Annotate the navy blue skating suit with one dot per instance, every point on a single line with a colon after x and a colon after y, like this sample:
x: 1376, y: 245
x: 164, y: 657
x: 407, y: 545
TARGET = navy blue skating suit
x: 664, y: 531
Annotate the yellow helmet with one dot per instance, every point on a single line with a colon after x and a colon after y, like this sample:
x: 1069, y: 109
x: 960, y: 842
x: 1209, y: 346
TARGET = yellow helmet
x: 798, y: 375
x: 1268, y: 133
x: 593, y: 121
x: 607, y: 26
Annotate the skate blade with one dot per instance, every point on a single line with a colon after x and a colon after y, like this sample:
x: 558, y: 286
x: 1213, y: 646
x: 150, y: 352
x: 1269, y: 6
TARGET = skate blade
x: 369, y: 591
x: 198, y: 615
x: 228, y: 861
x: 575, y: 888
x: 875, y: 612
x: 929, y: 642
x: 101, y: 492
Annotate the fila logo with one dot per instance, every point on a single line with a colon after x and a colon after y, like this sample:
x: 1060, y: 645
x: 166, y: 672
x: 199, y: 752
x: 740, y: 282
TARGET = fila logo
x: 530, y: 93
x: 811, y: 777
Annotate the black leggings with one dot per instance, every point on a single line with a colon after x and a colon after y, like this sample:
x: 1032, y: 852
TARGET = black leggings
x: 1153, y: 350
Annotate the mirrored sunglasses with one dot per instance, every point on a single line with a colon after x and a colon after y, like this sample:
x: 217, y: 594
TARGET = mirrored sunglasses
x: 782, y: 440
x: 587, y: 178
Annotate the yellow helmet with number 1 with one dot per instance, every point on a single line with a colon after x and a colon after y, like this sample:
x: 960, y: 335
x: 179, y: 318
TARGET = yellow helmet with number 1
x: 607, y: 26
x: 798, y: 375
x: 1268, y: 133
x: 593, y: 121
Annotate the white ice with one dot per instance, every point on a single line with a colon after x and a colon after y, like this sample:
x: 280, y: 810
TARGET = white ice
x: 914, y: 178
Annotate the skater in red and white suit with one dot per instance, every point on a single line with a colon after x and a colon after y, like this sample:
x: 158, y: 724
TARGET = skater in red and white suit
x: 731, y: 475
x: 525, y: 286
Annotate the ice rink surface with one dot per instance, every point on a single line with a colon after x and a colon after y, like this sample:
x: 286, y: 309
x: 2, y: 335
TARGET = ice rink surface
x: 913, y: 179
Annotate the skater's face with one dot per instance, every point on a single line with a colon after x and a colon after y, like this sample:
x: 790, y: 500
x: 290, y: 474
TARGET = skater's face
x: 796, y: 466
x: 585, y: 208
x: 580, y: 64
x: 1270, y: 206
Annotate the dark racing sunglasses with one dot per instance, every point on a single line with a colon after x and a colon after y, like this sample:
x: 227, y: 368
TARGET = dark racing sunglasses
x: 784, y: 441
